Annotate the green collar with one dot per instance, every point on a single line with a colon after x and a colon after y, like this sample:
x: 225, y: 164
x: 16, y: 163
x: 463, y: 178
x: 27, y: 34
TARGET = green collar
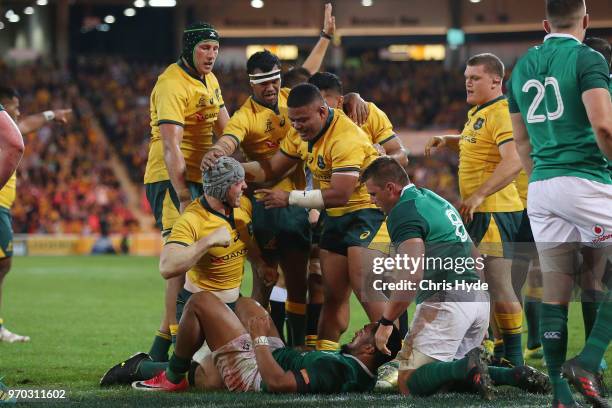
x: 491, y: 102
x: 328, y: 122
x: 189, y: 71
x: 206, y: 205
x: 275, y: 108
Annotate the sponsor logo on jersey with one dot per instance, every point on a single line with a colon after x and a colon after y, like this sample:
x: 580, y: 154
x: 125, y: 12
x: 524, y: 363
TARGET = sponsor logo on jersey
x: 364, y: 235
x: 217, y: 260
x: 598, y: 230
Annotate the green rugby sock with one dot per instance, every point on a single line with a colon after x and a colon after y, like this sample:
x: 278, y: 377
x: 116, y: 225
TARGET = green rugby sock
x: 599, y: 339
x: 177, y: 367
x: 428, y: 379
x: 502, y: 376
x: 553, y: 329
x: 160, y: 347
x: 149, y: 369
x: 533, y: 308
x: 590, y: 302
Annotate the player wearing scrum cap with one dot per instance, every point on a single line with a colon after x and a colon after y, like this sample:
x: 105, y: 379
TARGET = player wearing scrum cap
x: 186, y: 107
x: 209, y: 243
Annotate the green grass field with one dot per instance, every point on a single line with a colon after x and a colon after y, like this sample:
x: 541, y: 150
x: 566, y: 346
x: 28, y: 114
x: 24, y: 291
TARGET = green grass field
x: 85, y: 314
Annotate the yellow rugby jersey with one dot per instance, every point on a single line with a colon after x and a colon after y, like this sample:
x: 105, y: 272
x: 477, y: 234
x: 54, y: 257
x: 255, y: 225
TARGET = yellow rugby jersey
x: 8, y: 192
x: 378, y: 126
x: 220, y: 268
x: 181, y: 99
x: 488, y: 127
x: 522, y: 182
x: 340, y: 147
x: 259, y: 131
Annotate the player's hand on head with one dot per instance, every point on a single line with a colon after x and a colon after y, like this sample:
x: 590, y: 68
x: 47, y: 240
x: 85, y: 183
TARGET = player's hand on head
x: 329, y: 22
x: 273, y: 198
x: 62, y: 115
x: 210, y: 159
x: 381, y: 337
x: 434, y: 143
x: 381, y: 150
x: 221, y: 237
x: 356, y: 108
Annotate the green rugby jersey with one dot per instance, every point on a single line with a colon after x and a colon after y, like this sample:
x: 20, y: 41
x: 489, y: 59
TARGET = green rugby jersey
x: 546, y: 88
x: 324, y: 371
x: 421, y: 213
x: 1, y: 108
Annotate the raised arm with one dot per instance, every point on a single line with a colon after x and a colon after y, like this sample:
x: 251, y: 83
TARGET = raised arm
x: 34, y: 122
x: 450, y: 141
x: 315, y: 58
x: 176, y: 258
x: 270, y: 170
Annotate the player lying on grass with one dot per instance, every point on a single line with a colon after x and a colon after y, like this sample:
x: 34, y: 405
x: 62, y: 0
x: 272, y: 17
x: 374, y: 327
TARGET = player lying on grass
x: 450, y: 322
x: 248, y: 355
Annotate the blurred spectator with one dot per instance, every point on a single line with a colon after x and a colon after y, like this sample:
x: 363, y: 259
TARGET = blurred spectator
x: 64, y: 182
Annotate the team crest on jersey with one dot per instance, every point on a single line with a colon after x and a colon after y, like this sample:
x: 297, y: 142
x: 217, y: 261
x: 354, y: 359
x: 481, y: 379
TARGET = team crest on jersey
x: 250, y: 228
x: 478, y: 124
x: 269, y: 127
x: 202, y: 102
x: 218, y: 94
x: 211, y: 101
x: 282, y: 122
x: 320, y: 162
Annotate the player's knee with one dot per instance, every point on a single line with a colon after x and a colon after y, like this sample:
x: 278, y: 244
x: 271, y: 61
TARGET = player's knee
x: 200, y: 304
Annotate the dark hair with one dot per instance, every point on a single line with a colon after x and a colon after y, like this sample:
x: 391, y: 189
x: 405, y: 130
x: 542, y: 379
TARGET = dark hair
x: 394, y: 344
x: 326, y: 81
x: 302, y: 95
x: 601, y: 46
x: 383, y: 170
x: 8, y: 93
x: 491, y: 62
x: 564, y: 13
x: 295, y: 76
x: 264, y: 60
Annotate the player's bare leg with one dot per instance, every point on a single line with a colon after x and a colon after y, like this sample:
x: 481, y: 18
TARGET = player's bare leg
x: 360, y: 261
x: 335, y: 311
x: 6, y: 335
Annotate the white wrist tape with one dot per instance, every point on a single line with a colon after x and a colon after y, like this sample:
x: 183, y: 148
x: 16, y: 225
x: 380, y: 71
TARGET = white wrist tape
x: 307, y: 199
x: 261, y: 341
x: 49, y: 115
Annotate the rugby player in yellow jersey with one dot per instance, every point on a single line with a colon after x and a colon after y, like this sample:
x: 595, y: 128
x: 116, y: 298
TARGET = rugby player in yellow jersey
x: 11, y: 147
x: 377, y: 125
x: 186, y: 107
x: 209, y: 244
x: 10, y: 99
x: 491, y: 206
x: 334, y: 149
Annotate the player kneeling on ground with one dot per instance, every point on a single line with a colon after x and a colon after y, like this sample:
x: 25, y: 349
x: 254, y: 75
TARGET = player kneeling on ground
x: 450, y: 320
x: 248, y: 355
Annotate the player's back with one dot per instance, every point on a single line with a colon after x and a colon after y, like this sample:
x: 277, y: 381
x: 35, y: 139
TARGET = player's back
x: 546, y: 87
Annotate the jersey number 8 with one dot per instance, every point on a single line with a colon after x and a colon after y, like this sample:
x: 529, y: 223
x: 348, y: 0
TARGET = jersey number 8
x: 539, y: 97
x: 458, y: 224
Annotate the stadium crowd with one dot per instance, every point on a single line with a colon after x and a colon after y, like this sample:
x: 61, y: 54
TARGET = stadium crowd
x: 65, y: 182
